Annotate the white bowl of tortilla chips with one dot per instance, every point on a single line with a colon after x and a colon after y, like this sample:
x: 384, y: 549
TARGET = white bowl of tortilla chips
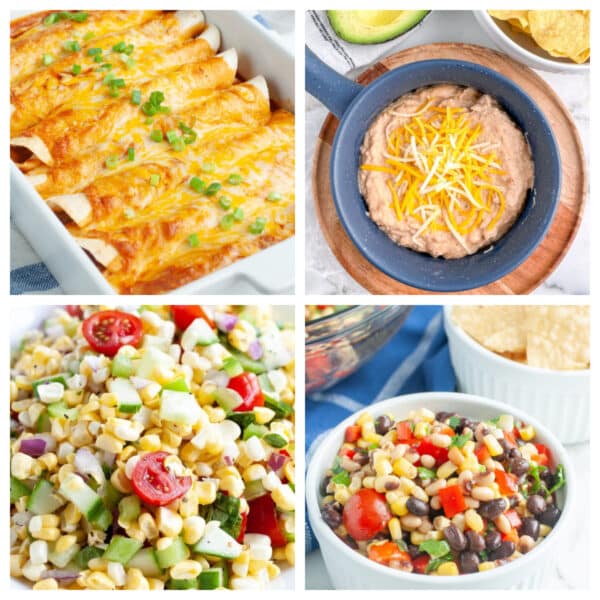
x: 535, y: 358
x: 551, y: 40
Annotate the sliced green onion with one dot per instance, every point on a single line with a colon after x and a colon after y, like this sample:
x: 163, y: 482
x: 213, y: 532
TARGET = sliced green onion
x: 98, y: 58
x: 197, y: 184
x: 107, y: 67
x: 76, y: 69
x: 208, y: 167
x: 227, y: 221
x: 47, y: 59
x: 172, y: 136
x: 189, y: 138
x: 258, y: 226
x: 129, y: 49
x: 51, y: 19
x: 136, y: 97
x: 94, y: 51
x: 116, y: 83
x: 234, y: 179
x: 225, y: 202
x: 156, y: 135
x: 193, y: 240
x: 131, y: 154
x: 112, y: 161
x: 130, y: 63
x: 238, y: 214
x: 72, y: 46
x: 89, y: 35
x: 120, y: 47
x: 274, y: 197
x: 154, y: 179
x: 178, y: 145
x: 184, y: 127
x: 213, y: 188
x: 148, y: 121
x: 114, y: 93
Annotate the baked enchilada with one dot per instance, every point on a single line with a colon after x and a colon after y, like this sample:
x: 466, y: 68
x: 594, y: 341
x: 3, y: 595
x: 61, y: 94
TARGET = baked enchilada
x: 163, y: 164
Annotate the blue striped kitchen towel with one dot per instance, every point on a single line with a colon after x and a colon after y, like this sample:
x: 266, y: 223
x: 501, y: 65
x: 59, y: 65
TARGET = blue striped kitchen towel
x: 415, y: 360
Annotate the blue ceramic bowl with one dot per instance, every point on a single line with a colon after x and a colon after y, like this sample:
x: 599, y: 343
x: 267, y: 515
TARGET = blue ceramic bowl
x: 421, y: 270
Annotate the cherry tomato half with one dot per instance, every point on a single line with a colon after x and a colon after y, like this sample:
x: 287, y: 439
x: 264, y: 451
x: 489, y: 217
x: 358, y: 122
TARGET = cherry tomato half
x: 262, y: 518
x: 366, y: 514
x: 247, y: 386
x: 74, y: 310
x: 154, y: 484
x: 106, y: 331
x: 184, y: 316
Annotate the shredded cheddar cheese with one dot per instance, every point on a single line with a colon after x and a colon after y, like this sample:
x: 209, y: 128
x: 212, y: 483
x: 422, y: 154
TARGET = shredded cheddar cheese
x: 440, y: 174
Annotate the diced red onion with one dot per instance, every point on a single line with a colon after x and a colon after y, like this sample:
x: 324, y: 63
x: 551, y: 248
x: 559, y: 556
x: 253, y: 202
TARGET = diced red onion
x: 86, y: 463
x: 33, y: 447
x: 228, y: 460
x: 62, y: 575
x: 255, y: 350
x: 276, y: 461
x: 225, y: 322
x: 22, y: 518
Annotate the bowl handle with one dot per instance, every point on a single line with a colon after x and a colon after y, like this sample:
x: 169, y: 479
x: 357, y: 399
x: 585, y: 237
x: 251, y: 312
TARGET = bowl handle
x: 335, y: 91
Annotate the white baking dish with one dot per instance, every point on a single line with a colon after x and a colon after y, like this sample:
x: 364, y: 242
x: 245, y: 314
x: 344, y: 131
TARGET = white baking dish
x: 270, y: 271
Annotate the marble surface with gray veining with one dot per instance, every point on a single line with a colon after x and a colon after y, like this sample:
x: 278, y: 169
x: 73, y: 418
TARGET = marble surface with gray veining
x: 324, y: 275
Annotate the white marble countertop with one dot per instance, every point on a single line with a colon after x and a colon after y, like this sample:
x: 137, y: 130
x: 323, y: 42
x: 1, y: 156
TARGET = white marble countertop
x: 324, y: 275
x: 573, y: 566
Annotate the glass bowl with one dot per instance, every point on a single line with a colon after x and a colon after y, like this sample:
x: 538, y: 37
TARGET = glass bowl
x: 336, y: 345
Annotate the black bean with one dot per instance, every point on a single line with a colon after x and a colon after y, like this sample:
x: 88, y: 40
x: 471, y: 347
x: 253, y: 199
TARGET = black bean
x: 493, y: 540
x: 492, y: 508
x: 466, y: 423
x: 514, y: 501
x: 361, y: 457
x: 514, y: 453
x: 518, y: 466
x: 324, y: 484
x: 383, y: 424
x: 468, y: 562
x: 475, y: 541
x: 536, y: 504
x: 549, y: 516
x: 443, y: 415
x: 351, y: 542
x: 331, y: 516
x: 530, y: 527
x: 455, y: 538
x: 505, y: 550
x: 414, y: 551
x: 417, y: 507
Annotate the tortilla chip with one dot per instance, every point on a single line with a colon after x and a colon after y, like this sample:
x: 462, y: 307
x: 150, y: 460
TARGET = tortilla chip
x: 562, y: 33
x: 517, y: 18
x: 558, y: 337
x: 520, y: 26
x: 498, y: 328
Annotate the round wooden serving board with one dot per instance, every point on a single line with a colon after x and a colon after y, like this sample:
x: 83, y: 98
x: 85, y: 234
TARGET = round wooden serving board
x: 546, y: 256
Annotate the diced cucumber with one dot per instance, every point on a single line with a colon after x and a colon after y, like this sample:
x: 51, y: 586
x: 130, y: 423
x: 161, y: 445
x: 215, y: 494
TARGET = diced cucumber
x: 110, y: 495
x: 253, y: 366
x: 121, y: 549
x: 267, y: 388
x: 224, y: 566
x: 62, y: 559
x: 198, y: 333
x: 153, y: 360
x: 254, y: 430
x: 73, y: 488
x: 227, y: 399
x: 121, y: 366
x: 60, y: 410
x: 173, y: 554
x: 179, y: 407
x: 145, y: 561
x: 128, y: 399
x: 216, y: 542
x: 182, y: 584
x: 86, y: 554
x: 18, y: 489
x: 43, y: 425
x: 177, y: 385
x: 254, y: 489
x: 129, y: 509
x: 60, y: 378
x: 43, y: 499
x: 211, y: 579
x: 232, y: 366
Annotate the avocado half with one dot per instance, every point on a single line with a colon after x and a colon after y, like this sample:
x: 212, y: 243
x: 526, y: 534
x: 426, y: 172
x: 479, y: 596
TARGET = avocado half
x: 373, y: 26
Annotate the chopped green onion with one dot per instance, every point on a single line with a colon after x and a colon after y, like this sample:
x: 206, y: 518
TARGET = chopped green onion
x: 278, y: 441
x: 172, y: 136
x: 136, y: 97
x: 153, y: 106
x: 197, y: 184
x: 120, y: 47
x: 129, y: 49
x: 225, y: 202
x: 193, y: 240
x: 154, y: 179
x: 72, y: 46
x: 227, y: 221
x: 116, y: 83
x: 238, y: 214
x: 131, y: 154
x: 47, y: 59
x: 114, y: 93
x: 94, y: 51
x: 148, y: 121
x: 89, y: 35
x: 213, y: 188
x: 208, y: 167
x: 274, y: 197
x: 112, y: 161
x: 258, y: 226
x: 130, y: 63
x: 107, y: 67
x: 234, y: 179
x: 98, y: 58
x: 156, y: 135
x: 53, y: 18
x: 76, y: 69
x: 178, y: 145
x: 184, y: 127
x: 189, y: 138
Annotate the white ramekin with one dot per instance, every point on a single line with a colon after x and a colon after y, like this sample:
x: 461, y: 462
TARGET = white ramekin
x: 349, y: 569
x: 558, y: 399
x: 521, y: 47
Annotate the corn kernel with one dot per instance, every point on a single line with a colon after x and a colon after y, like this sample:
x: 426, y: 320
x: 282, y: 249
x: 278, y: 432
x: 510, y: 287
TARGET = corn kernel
x: 395, y: 528
x: 169, y: 523
x: 446, y: 470
x: 486, y: 566
x: 193, y: 529
x: 422, y: 429
x: 473, y: 520
x: 136, y: 580
x: 492, y: 444
x: 46, y: 584
x: 64, y: 543
x: 186, y: 569
x: 447, y: 568
x: 527, y: 433
x: 364, y: 418
x: 290, y: 553
x: 404, y: 468
x: 398, y: 507
x: 284, y: 498
x: 99, y: 581
x: 206, y: 492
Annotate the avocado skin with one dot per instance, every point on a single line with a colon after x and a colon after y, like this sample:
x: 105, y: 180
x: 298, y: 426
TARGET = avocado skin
x: 351, y: 31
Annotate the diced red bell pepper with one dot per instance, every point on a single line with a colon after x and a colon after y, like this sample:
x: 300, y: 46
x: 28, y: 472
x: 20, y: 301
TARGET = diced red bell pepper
x: 352, y: 433
x: 512, y: 536
x: 544, y: 455
x: 247, y: 386
x: 510, y: 439
x: 447, y: 430
x: 439, y: 454
x: 346, y: 451
x: 482, y: 453
x: 263, y: 518
x: 507, y: 482
x: 404, y: 432
x: 420, y: 563
x: 452, y: 500
x: 513, y: 518
x: 387, y: 552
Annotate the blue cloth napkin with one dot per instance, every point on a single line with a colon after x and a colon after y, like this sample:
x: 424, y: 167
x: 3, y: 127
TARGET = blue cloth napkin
x: 416, y: 359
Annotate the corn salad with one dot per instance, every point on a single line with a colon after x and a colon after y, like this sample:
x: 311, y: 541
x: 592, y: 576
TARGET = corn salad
x: 317, y: 311
x: 153, y: 448
x: 441, y: 494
